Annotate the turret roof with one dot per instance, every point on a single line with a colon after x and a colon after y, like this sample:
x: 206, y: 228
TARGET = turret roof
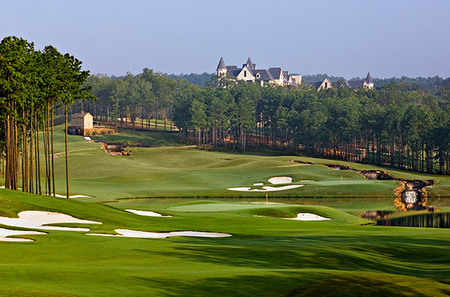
x: 250, y: 64
x: 369, y: 78
x: 221, y: 64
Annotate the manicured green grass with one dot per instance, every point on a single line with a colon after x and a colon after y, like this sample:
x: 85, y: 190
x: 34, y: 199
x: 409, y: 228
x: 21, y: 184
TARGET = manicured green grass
x: 266, y: 256
x: 169, y: 170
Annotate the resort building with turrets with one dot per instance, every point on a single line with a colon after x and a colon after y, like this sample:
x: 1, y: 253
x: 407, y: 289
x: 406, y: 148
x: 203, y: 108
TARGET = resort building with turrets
x: 275, y: 75
x: 250, y: 73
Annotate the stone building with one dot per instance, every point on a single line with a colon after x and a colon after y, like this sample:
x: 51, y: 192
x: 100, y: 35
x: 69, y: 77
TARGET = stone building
x: 250, y: 73
x: 82, y: 124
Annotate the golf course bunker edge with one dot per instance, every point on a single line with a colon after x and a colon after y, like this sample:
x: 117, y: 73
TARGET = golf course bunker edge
x: 155, y: 235
x: 34, y: 219
x: 278, y: 180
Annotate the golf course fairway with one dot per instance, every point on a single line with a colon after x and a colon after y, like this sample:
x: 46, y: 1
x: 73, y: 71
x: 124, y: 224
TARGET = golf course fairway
x: 261, y: 250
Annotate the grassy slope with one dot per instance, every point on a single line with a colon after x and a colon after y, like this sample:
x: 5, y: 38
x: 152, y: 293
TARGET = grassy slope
x: 169, y: 170
x: 265, y: 256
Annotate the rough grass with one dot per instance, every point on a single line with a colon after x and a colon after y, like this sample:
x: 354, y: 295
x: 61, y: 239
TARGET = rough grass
x: 151, y: 138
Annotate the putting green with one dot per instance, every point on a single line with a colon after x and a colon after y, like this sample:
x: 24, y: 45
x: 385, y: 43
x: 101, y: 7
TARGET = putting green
x: 211, y: 207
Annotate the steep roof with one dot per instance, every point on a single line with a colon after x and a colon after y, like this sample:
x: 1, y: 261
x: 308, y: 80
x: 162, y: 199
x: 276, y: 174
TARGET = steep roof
x: 369, y: 78
x: 356, y: 83
x: 80, y: 114
x: 275, y: 72
x: 250, y: 64
x: 264, y: 75
x: 221, y: 64
x: 234, y: 72
x: 315, y: 84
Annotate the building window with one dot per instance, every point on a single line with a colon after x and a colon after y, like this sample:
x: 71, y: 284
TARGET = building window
x: 326, y: 85
x: 245, y: 73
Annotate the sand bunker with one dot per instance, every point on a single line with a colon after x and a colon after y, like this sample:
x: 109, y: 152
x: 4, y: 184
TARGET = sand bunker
x: 4, y: 233
x: 38, y: 220
x: 280, y: 180
x: 145, y: 234
x: 306, y: 216
x: 147, y: 213
x: 70, y: 196
x: 265, y: 189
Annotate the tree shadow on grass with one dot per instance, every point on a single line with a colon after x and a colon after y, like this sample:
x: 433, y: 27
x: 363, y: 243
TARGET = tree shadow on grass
x: 405, y: 256
x: 295, y: 284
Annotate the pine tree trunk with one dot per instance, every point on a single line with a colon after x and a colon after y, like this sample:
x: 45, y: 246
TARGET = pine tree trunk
x: 66, y: 152
x: 52, y: 151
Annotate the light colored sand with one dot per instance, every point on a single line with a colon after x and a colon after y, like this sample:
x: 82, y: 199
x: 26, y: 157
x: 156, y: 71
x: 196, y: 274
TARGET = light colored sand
x: 306, y: 216
x: 87, y: 138
x: 258, y: 184
x: 147, y: 213
x: 265, y: 189
x: 38, y: 220
x: 70, y: 196
x: 4, y: 233
x: 280, y: 180
x: 145, y: 234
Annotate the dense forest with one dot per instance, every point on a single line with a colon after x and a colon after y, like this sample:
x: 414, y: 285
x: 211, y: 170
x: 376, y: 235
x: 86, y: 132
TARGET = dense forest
x: 33, y: 84
x: 401, y: 125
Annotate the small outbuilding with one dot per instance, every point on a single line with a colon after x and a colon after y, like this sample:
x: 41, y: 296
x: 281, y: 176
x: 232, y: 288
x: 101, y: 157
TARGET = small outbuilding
x: 81, y: 124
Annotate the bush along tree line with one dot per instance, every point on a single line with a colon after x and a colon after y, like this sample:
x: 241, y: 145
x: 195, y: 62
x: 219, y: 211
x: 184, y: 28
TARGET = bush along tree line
x: 397, y: 125
x: 33, y: 84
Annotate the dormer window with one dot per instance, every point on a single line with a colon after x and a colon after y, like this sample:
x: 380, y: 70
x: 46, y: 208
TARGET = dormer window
x: 258, y: 75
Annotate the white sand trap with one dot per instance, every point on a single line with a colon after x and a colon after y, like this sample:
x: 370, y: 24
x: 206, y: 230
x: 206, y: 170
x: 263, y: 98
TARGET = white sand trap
x: 280, y: 180
x: 87, y: 138
x: 38, y: 220
x: 70, y: 196
x: 265, y: 189
x: 258, y: 184
x: 4, y: 233
x: 147, y: 213
x: 145, y: 234
x: 306, y: 216
x: 2, y: 187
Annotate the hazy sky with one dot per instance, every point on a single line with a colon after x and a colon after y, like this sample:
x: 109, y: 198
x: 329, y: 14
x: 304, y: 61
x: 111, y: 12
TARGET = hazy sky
x: 342, y: 38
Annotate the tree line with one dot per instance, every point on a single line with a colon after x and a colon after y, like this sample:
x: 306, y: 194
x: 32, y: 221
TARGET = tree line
x: 134, y: 100
x: 399, y: 124
x: 33, y: 84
